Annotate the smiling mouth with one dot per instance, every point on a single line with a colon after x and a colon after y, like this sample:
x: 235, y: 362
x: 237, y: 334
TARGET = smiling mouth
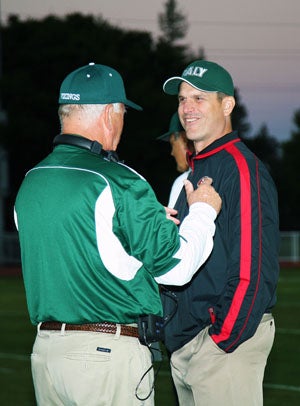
x: 191, y: 120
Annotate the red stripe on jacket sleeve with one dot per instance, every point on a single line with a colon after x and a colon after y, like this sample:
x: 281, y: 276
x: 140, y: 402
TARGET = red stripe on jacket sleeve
x: 245, y: 246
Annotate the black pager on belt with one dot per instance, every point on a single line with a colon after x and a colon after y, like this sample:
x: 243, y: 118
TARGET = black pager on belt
x: 151, y: 328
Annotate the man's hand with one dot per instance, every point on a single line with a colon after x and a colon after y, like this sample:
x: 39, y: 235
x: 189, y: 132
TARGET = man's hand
x: 170, y: 213
x: 204, y: 193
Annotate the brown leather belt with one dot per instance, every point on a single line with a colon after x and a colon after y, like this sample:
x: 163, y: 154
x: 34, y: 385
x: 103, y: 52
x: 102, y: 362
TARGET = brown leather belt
x: 105, y: 327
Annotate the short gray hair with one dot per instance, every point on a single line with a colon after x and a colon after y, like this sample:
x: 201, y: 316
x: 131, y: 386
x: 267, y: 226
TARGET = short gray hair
x: 89, y: 111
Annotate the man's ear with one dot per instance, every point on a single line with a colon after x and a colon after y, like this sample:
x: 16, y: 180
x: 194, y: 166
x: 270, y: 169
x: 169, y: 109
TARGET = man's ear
x: 228, y: 105
x: 108, y: 119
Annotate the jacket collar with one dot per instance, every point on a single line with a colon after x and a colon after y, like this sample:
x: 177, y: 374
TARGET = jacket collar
x: 214, y: 147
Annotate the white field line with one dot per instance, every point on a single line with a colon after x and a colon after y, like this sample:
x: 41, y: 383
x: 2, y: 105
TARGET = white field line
x: 287, y: 331
x: 6, y: 370
x: 282, y: 387
x: 17, y: 357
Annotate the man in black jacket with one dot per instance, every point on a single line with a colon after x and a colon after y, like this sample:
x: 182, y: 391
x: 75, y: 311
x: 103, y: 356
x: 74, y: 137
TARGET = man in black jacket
x: 223, y: 330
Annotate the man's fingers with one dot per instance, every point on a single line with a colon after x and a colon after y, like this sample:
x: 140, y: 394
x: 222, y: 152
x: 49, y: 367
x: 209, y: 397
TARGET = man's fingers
x: 189, y: 188
x: 171, y: 211
x: 204, y: 193
x: 205, y: 180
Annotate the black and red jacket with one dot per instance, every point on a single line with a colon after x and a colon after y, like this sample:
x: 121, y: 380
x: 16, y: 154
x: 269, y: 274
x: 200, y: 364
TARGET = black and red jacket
x: 237, y: 284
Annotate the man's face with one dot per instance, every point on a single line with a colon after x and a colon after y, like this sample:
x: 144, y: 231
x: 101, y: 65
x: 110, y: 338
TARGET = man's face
x: 179, y: 150
x: 202, y: 115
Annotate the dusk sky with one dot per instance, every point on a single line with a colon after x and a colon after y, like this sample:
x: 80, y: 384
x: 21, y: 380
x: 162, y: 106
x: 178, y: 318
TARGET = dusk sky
x: 258, y: 41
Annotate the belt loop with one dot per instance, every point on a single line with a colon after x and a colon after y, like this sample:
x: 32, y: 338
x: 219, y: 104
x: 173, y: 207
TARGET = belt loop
x: 63, y: 328
x: 39, y: 328
x: 118, y: 332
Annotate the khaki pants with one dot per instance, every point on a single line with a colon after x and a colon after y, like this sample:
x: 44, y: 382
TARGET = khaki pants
x: 90, y: 369
x: 204, y: 375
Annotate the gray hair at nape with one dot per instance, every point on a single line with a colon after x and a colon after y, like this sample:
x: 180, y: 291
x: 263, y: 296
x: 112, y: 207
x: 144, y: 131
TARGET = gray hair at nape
x: 89, y: 111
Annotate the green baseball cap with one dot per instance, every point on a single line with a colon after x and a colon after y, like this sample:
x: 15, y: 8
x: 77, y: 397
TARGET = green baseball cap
x: 94, y: 84
x: 203, y: 75
x: 175, y: 126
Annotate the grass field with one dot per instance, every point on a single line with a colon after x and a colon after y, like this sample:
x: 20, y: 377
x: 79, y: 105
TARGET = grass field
x: 282, y: 377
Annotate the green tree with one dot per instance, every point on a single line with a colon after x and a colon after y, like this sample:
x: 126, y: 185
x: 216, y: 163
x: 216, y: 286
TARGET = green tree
x: 172, y: 22
x: 267, y: 149
x: 290, y: 179
x: 239, y: 116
